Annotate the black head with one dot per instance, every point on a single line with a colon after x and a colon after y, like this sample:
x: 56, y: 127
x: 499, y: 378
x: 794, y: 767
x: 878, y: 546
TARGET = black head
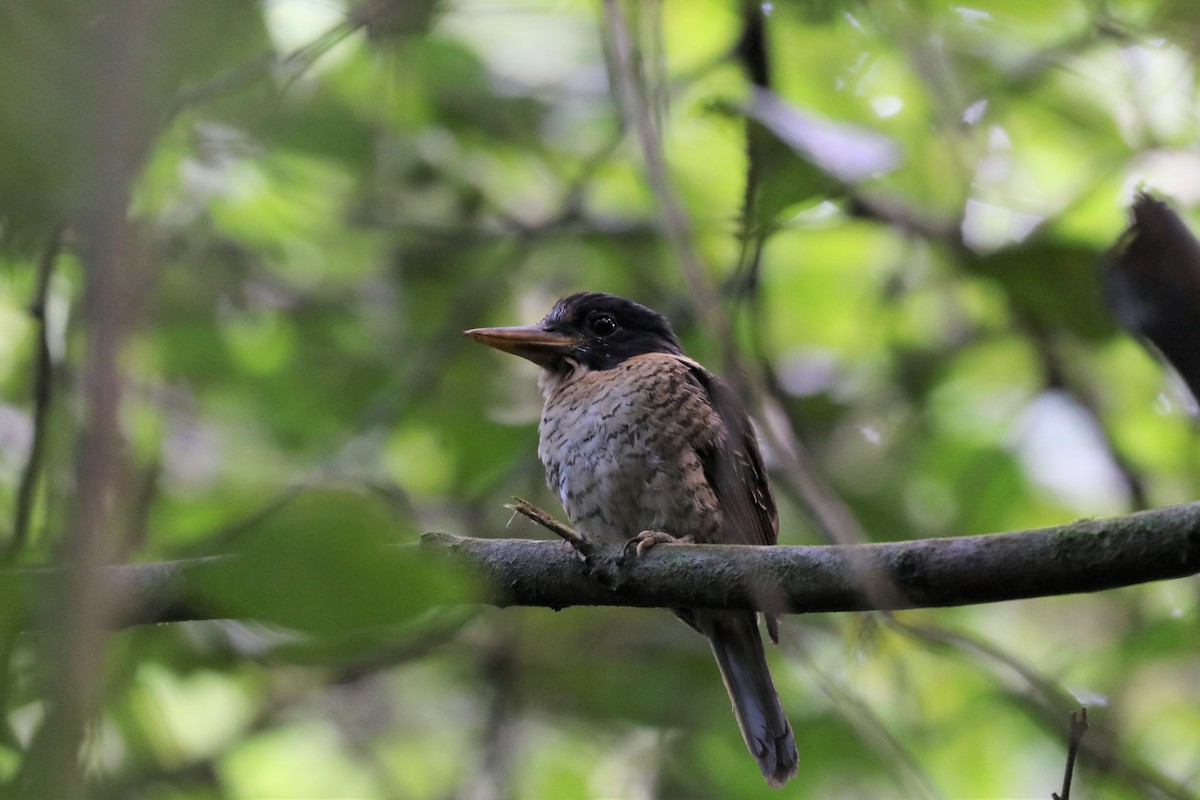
x: 608, y: 329
x: 597, y: 331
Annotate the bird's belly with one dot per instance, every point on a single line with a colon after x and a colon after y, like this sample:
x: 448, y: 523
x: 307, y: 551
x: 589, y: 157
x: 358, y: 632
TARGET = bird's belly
x: 618, y: 470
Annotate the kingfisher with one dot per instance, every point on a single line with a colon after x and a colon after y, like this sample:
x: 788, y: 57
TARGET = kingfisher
x: 645, y: 446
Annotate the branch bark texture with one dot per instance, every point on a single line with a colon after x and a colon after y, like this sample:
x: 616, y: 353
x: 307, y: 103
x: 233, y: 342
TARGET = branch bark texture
x: 1086, y: 556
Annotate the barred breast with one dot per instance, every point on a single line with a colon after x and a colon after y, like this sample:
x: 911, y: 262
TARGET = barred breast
x: 622, y: 448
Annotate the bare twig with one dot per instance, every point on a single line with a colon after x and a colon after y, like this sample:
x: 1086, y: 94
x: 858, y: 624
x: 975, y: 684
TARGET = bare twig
x: 1079, y: 726
x: 607, y: 566
x: 568, y: 534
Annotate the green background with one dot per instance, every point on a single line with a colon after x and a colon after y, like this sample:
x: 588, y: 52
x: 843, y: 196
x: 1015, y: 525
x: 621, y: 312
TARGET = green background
x: 328, y: 193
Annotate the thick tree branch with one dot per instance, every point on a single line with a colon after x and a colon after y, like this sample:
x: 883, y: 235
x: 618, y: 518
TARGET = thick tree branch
x: 1086, y: 556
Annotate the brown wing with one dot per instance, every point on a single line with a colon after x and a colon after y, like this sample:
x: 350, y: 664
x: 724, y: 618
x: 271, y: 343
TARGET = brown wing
x: 734, y: 468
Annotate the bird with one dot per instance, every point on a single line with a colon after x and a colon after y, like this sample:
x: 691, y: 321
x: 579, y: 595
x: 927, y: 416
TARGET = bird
x: 643, y: 446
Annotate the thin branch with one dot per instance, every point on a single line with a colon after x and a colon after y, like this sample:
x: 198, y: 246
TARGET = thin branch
x: 801, y: 473
x: 675, y: 221
x: 1043, y: 691
x: 1087, y: 556
x: 42, y: 396
x: 1047, y: 702
x: 79, y: 610
x: 499, y: 670
x: 290, y: 67
x: 827, y: 509
x: 753, y: 54
x: 1079, y: 726
x: 1059, y: 375
x: 905, y: 767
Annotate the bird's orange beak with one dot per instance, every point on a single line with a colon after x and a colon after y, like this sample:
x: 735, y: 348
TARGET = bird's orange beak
x: 532, y: 342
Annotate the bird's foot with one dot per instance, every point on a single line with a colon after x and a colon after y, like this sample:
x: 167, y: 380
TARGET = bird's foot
x: 638, y: 545
x: 612, y: 567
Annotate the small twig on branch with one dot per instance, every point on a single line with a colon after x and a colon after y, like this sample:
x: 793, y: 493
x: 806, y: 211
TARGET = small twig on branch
x: 1079, y: 726
x: 608, y: 568
x: 568, y: 534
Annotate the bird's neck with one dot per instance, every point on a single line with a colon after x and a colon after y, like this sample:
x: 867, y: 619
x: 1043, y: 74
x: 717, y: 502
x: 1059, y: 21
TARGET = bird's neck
x: 554, y: 378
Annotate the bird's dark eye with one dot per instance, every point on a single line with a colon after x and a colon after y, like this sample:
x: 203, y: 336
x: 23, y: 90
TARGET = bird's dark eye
x: 602, y: 325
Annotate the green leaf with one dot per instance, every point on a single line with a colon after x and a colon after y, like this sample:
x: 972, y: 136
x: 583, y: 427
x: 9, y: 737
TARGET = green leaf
x: 329, y: 561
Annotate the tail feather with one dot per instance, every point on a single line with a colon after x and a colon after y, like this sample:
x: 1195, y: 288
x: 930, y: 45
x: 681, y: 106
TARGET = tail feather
x: 738, y: 648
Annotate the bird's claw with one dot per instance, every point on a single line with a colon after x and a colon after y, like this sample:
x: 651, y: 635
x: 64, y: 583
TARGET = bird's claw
x: 611, y: 568
x: 638, y: 545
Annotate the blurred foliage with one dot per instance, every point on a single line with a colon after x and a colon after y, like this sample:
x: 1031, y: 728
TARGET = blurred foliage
x: 331, y: 192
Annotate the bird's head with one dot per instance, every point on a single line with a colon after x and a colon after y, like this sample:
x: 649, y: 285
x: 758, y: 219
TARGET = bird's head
x: 590, y: 330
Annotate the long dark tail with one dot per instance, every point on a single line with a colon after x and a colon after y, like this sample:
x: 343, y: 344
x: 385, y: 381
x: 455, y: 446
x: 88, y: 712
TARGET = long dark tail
x: 738, y: 648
